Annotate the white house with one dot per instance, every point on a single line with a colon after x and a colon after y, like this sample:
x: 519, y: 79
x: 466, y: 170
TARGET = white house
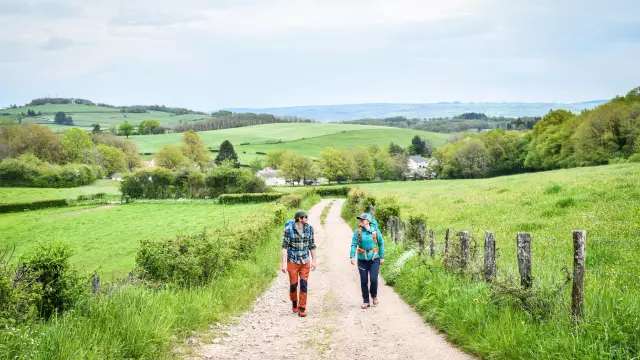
x: 420, y: 167
x: 271, y: 177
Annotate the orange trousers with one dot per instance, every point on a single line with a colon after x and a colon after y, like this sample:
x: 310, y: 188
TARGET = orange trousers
x: 298, y: 273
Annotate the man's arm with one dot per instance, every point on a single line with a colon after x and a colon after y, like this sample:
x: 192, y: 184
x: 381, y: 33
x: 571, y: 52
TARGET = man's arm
x: 312, y: 246
x: 285, y: 247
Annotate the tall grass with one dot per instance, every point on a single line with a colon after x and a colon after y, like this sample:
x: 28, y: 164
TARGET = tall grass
x: 134, y: 322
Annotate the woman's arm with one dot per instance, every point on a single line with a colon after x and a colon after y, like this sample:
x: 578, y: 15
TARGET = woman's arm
x: 354, y: 244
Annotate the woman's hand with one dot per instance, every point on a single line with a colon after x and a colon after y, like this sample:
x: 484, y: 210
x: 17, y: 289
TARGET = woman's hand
x: 353, y: 261
x: 381, y: 261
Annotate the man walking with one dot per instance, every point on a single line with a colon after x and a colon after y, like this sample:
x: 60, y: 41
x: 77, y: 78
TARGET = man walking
x: 298, y: 258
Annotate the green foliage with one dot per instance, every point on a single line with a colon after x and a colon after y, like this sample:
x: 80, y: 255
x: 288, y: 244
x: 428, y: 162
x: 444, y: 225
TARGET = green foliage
x: 126, y: 129
x: 363, y: 168
x: 295, y: 167
x: 384, y: 166
x: 29, y: 171
x: 19, y: 296
x: 227, y: 154
x: 386, y: 207
x: 336, y: 165
x: 171, y: 157
x: 194, y: 149
x: 227, y: 179
x: 338, y: 191
x: 150, y: 127
x: 60, y: 284
x: 355, y: 201
x: 291, y: 201
x: 113, y: 160
x: 198, y: 259
x: 249, y: 198
x: 16, y: 140
x: 62, y: 119
x: 34, y: 205
x: 553, y: 189
x: 413, y: 231
x: 77, y: 147
x: 257, y: 164
x: 274, y: 159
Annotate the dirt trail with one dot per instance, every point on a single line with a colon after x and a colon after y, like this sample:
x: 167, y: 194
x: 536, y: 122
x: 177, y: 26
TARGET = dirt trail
x: 336, y: 327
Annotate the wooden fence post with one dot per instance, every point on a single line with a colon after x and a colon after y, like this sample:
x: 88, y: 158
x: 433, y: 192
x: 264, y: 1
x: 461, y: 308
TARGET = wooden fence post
x: 396, y: 230
x: 390, y: 227
x: 579, y: 258
x: 421, y: 238
x: 432, y: 243
x: 464, y: 249
x: 446, y: 245
x: 95, y: 284
x: 489, y: 256
x: 523, y: 240
x: 404, y: 232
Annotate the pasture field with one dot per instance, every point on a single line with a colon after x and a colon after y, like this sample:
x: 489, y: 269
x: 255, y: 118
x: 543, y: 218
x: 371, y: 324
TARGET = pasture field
x: 86, y: 115
x: 21, y: 195
x: 106, y: 238
x: 306, y: 139
x: 604, y: 201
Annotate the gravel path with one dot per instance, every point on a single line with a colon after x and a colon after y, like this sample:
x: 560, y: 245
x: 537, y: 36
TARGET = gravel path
x: 336, y: 327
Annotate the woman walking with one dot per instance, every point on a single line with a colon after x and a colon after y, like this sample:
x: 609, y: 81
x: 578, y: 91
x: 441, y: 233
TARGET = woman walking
x: 368, y: 243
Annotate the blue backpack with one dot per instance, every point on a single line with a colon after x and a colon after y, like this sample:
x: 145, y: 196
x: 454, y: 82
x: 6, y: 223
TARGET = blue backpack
x: 289, y: 224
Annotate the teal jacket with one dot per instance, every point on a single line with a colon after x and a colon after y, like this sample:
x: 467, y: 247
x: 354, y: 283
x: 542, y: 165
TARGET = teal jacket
x: 366, y: 243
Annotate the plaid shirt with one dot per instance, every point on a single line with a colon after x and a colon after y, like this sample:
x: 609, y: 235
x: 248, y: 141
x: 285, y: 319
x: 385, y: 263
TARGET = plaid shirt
x: 298, y: 247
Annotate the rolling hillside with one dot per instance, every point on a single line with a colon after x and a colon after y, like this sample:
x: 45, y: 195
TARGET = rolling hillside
x: 306, y: 139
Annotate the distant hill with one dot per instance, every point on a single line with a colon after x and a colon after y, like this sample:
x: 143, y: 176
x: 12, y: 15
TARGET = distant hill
x: 434, y: 110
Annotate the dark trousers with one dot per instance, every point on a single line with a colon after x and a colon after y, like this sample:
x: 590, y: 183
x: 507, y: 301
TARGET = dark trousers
x: 369, y: 272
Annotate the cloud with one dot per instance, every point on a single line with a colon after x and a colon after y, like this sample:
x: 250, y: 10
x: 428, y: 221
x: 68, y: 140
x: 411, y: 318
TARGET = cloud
x: 56, y: 43
x: 143, y: 17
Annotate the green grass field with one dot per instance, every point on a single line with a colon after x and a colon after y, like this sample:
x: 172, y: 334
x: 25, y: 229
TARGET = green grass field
x: 20, y: 195
x: 106, y: 238
x: 86, y: 115
x: 306, y: 139
x: 604, y: 201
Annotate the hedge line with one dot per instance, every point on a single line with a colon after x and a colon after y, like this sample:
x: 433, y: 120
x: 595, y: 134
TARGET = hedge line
x: 35, y: 205
x: 334, y: 191
x: 248, y: 198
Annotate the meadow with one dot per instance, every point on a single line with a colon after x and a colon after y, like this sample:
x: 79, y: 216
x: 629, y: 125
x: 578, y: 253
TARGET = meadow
x: 105, y: 238
x: 86, y: 116
x: 305, y: 139
x: 21, y: 195
x: 490, y: 321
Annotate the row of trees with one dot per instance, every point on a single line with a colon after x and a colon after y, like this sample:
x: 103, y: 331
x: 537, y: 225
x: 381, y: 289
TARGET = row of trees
x: 62, y: 119
x: 459, y: 123
x: 607, y: 134
x: 75, y: 146
x: 226, y: 119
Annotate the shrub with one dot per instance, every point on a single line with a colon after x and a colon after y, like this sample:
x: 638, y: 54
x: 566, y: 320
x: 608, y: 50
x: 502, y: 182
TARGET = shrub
x: 566, y: 202
x: 291, y: 201
x: 635, y: 158
x: 248, y: 198
x: 19, y: 297
x: 342, y: 191
x: 35, y: 205
x: 60, y: 284
x: 386, y: 208
x: 29, y: 171
x: 415, y: 220
x: 553, y: 189
x: 355, y: 201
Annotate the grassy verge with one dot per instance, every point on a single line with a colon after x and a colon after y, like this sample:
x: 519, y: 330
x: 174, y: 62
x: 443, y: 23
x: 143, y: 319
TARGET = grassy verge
x: 20, y: 195
x: 325, y: 213
x: 134, y: 322
x: 488, y: 320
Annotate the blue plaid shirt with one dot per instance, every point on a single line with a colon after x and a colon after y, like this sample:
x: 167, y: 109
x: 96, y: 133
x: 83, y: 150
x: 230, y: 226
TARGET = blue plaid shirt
x: 299, y: 247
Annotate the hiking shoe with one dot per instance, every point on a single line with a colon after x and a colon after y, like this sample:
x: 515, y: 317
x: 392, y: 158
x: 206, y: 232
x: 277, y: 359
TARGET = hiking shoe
x: 375, y: 302
x: 294, y: 307
x: 365, y: 306
x: 302, y: 312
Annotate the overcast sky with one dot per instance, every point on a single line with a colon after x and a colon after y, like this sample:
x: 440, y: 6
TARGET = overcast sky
x: 209, y: 54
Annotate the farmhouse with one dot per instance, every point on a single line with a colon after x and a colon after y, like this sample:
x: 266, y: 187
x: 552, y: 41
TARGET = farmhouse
x: 420, y: 167
x: 271, y: 177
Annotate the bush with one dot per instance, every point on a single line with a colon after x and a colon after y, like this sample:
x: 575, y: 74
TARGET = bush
x: 197, y: 259
x: 248, y: 198
x: 341, y: 191
x: 291, y: 201
x: 60, y: 284
x: 19, y: 297
x: 35, y: 205
x: 29, y: 171
x: 413, y: 233
x: 635, y: 158
x: 386, y: 208
x: 355, y: 201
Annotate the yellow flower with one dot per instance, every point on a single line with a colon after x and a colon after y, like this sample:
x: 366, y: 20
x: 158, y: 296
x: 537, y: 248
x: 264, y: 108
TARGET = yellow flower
x: 475, y: 300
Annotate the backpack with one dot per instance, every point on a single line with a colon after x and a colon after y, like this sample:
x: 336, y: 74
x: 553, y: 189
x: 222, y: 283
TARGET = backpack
x: 290, y: 224
x: 374, y: 233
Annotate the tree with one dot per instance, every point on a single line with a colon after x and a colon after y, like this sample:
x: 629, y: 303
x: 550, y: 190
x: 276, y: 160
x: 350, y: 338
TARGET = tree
x: 336, y: 164
x: 417, y: 146
x: 274, y: 159
x: 227, y: 153
x: 256, y: 165
x: 395, y: 149
x: 384, y: 166
x: 150, y: 127
x: 296, y: 167
x: 171, y: 157
x: 401, y: 165
x: 195, y: 149
x: 363, y: 165
x: 473, y: 159
x: 96, y: 129
x: 126, y: 129
x: 62, y: 119
x: 37, y: 140
x: 113, y: 128
x: 77, y: 147
x: 113, y: 160
x: 549, y: 140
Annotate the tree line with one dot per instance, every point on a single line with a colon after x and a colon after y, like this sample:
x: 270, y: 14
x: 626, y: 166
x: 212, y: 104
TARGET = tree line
x: 459, y: 123
x: 226, y: 120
